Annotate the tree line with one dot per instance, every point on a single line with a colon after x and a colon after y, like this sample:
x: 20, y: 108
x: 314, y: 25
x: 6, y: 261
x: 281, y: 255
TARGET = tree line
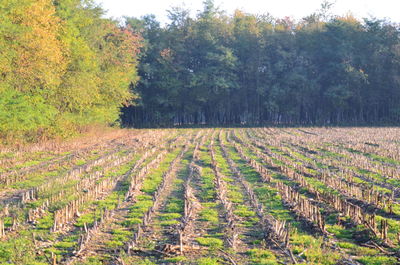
x: 62, y: 67
x: 220, y: 69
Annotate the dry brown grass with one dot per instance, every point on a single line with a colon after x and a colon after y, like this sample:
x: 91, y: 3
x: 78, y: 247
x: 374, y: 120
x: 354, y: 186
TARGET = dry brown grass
x: 94, y: 135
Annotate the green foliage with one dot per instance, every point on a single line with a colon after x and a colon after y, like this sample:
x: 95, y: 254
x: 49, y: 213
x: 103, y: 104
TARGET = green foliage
x: 93, y: 261
x: 243, y: 211
x: 169, y: 222
x: 251, y: 69
x: 340, y: 232
x: 45, y: 222
x: 87, y: 219
x: 378, y: 260
x: 208, y: 261
x: 66, y: 245
x: 262, y: 257
x: 176, y: 259
x: 213, y: 243
x: 143, y: 262
x: 169, y: 216
x: 210, y: 215
x: 22, y: 113
x: 63, y: 66
x: 313, y: 250
x: 174, y: 205
x: 18, y: 250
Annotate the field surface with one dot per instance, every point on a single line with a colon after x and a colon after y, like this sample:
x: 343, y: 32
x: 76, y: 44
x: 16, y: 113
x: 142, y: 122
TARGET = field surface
x: 205, y: 196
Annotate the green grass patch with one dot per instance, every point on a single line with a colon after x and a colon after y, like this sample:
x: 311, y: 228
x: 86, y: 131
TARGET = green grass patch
x: 261, y: 257
x: 208, y: 261
x: 211, y: 242
x: 209, y: 215
x: 377, y: 260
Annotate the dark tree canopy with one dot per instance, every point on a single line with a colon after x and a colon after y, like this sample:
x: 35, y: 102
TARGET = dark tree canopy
x: 250, y: 69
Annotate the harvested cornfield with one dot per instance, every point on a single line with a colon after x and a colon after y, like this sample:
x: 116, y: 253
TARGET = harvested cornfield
x: 206, y: 196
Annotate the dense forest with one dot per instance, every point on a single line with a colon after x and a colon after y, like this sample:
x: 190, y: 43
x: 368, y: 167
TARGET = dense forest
x: 64, y: 67
x: 250, y: 69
